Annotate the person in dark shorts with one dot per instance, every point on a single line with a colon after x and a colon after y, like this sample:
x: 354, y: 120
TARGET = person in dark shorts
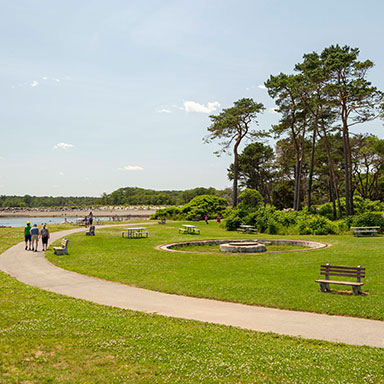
x: 27, y: 235
x: 90, y: 218
x: 44, y: 233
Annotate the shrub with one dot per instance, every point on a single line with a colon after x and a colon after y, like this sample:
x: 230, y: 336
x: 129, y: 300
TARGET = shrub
x: 250, y: 198
x: 369, y: 219
x: 169, y: 213
x: 233, y: 221
x: 204, y: 205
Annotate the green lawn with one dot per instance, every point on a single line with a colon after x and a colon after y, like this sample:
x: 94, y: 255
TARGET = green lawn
x: 283, y: 280
x: 49, y: 338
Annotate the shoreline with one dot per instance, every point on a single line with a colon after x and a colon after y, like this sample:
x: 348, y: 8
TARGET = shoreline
x: 140, y: 212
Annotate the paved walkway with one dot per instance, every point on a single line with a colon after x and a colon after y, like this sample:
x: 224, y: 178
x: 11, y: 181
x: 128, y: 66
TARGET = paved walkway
x: 33, y: 268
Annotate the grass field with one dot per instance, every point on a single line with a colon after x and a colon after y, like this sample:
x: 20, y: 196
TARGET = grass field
x: 49, y: 338
x: 283, y: 280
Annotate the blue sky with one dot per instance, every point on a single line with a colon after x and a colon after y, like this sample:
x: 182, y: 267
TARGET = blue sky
x: 98, y: 95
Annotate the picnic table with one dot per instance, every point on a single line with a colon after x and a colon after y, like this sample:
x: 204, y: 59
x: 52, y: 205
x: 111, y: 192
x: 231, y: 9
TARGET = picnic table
x: 247, y: 229
x: 134, y: 233
x: 189, y: 229
x: 367, y: 230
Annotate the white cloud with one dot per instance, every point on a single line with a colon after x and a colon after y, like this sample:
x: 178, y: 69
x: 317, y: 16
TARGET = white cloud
x: 192, y: 106
x: 34, y: 83
x: 163, y: 110
x: 45, y: 78
x: 61, y: 173
x: 64, y: 146
x: 262, y: 86
x: 272, y: 110
x: 131, y: 168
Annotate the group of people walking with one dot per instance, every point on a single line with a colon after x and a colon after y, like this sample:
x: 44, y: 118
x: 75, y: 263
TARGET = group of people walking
x: 32, y: 235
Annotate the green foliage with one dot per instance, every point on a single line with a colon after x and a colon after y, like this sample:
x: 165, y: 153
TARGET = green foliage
x: 360, y: 205
x: 369, y: 219
x: 316, y: 225
x: 282, y: 195
x: 250, y: 198
x: 269, y: 220
x: 198, y: 207
x: 168, y: 212
x: 204, y: 205
x: 234, y: 219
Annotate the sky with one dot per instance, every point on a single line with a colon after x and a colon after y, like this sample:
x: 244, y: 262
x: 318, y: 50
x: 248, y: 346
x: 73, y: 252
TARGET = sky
x: 99, y: 95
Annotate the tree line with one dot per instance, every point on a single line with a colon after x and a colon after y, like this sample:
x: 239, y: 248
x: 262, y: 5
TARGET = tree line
x: 122, y: 196
x: 316, y: 155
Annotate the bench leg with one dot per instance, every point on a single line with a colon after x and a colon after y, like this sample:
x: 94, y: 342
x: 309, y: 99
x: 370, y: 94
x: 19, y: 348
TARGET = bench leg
x: 324, y: 287
x: 356, y: 290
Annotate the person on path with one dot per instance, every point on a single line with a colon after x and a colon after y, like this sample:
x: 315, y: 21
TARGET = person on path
x: 218, y: 219
x: 35, y: 237
x: 206, y: 219
x: 90, y: 218
x: 27, y: 235
x: 44, y: 233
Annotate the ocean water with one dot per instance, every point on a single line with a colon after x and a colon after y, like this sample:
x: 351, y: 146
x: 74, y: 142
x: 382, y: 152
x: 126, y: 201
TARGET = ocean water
x: 21, y: 221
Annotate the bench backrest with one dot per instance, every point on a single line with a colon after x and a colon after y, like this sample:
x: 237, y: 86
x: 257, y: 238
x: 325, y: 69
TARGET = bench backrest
x: 339, y: 270
x: 64, y: 243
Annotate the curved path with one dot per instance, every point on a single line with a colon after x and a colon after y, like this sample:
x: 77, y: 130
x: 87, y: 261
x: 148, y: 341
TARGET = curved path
x: 34, y: 269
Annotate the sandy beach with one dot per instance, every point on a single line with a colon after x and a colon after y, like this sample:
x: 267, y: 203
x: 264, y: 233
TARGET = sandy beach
x: 108, y: 211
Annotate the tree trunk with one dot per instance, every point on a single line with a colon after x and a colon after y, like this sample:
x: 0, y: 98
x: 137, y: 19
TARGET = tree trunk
x: 311, y: 166
x: 331, y: 168
x: 235, y: 174
x: 347, y: 164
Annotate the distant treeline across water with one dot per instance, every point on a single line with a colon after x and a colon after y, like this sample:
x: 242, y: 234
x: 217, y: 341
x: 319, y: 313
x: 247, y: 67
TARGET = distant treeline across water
x: 122, y: 196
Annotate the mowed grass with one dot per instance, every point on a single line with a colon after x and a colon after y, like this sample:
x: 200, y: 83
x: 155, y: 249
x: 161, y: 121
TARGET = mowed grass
x: 281, y: 280
x: 49, y: 338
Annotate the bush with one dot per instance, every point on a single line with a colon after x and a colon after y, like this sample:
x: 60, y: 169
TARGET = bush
x: 169, y: 213
x: 269, y: 220
x: 200, y: 206
x: 369, y: 219
x: 250, y: 198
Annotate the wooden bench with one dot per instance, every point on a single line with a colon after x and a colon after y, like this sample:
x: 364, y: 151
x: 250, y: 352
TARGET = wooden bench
x: 63, y: 250
x: 365, y: 230
x: 182, y: 230
x: 338, y: 270
x: 91, y: 231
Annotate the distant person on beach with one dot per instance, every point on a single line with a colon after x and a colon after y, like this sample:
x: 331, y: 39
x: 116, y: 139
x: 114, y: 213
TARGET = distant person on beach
x: 35, y: 237
x: 44, y: 233
x: 90, y: 218
x: 27, y: 235
x: 206, y: 219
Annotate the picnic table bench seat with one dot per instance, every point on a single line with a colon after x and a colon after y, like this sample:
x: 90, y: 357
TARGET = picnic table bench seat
x: 63, y: 250
x: 246, y: 229
x: 163, y: 221
x: 193, y: 231
x: 365, y: 230
x: 338, y: 270
x: 135, y: 234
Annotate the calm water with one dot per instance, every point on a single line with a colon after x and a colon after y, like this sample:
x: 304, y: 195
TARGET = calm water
x: 21, y: 221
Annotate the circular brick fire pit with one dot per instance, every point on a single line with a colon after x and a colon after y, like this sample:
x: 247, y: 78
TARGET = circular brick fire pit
x: 243, y: 247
